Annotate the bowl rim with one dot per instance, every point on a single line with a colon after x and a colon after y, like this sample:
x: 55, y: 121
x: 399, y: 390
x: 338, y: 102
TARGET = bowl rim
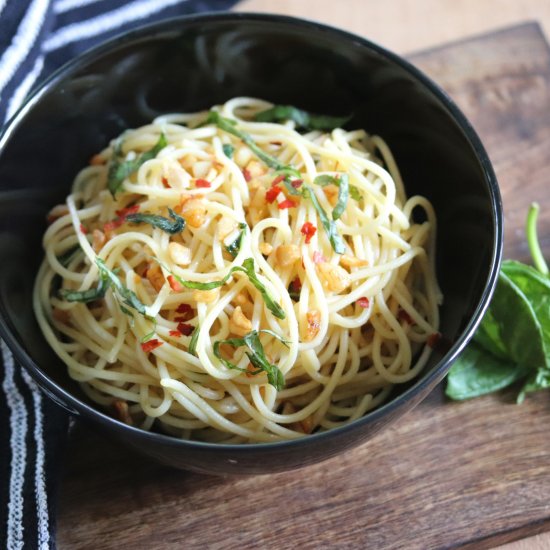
x: 149, y: 31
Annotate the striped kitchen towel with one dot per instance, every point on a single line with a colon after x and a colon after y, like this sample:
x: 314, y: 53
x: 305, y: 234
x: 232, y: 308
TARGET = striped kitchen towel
x: 36, y: 37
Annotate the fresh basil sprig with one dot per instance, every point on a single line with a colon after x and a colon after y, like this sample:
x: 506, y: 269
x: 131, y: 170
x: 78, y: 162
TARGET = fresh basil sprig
x: 303, y: 119
x: 256, y: 354
x: 248, y: 269
x: 235, y: 246
x: 513, y: 340
x: 128, y: 296
x: 89, y: 295
x: 172, y: 227
x: 228, y: 150
x: 120, y: 169
x: 193, y: 342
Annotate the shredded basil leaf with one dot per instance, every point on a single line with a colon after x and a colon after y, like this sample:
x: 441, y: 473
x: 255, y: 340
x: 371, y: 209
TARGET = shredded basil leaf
x: 128, y: 296
x: 248, y: 268
x: 87, y: 295
x: 303, y: 119
x: 120, y: 169
x: 228, y: 150
x: 256, y: 354
x: 326, y: 179
x: 171, y: 227
x: 66, y: 258
x: 329, y: 226
x: 193, y: 342
x: 235, y: 246
x: 228, y: 125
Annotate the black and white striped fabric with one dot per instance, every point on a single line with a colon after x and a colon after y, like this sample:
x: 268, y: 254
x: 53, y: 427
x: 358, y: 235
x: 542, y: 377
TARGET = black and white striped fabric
x: 36, y: 37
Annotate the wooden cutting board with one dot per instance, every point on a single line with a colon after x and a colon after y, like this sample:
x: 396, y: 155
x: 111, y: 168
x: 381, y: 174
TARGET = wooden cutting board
x: 448, y: 474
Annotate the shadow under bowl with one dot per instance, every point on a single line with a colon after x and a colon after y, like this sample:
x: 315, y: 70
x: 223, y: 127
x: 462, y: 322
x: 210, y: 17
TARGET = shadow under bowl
x: 192, y: 63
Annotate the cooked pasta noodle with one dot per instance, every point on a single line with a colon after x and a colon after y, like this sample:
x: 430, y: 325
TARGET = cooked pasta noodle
x: 228, y: 280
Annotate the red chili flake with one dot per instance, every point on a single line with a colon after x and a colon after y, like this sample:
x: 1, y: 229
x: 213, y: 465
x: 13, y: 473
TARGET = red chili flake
x: 295, y: 286
x: 277, y: 180
x: 318, y: 258
x: 308, y: 229
x: 202, y: 183
x: 123, y: 212
x: 363, y: 302
x: 185, y: 328
x: 187, y: 312
x: 296, y: 183
x: 174, y: 284
x: 121, y: 218
x: 272, y: 193
x: 438, y: 342
x: 175, y: 333
x: 287, y: 203
x: 165, y: 182
x: 402, y: 315
x: 247, y: 175
x: 151, y: 345
x: 83, y: 229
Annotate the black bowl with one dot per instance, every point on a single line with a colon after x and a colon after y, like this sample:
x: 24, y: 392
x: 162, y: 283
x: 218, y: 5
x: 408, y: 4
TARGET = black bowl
x: 192, y: 63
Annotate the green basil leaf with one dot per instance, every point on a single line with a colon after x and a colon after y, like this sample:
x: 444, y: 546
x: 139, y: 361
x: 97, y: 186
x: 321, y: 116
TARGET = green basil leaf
x: 519, y: 326
x: 120, y: 169
x: 489, y: 338
x: 533, y: 240
x: 193, y: 342
x: 303, y: 119
x: 329, y: 225
x: 539, y: 380
x: 235, y: 246
x: 326, y: 179
x: 536, y: 288
x: 476, y: 372
x: 229, y: 126
x: 256, y: 354
x: 128, y: 296
x: 228, y: 150
x: 248, y: 269
x: 89, y: 295
x: 172, y: 227
x: 66, y: 258
x: 343, y: 197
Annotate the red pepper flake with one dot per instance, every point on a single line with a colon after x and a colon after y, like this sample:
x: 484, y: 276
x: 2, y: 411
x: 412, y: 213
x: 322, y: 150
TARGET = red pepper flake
x: 123, y: 212
x: 186, y: 329
x: 363, y: 302
x: 174, y: 284
x: 246, y: 174
x: 295, y: 286
x: 202, y: 183
x: 151, y: 345
x: 175, y: 333
x: 402, y: 315
x: 296, y: 183
x: 277, y: 180
x: 83, y: 230
x: 318, y: 258
x: 272, y: 193
x: 121, y: 218
x: 308, y: 229
x: 187, y: 312
x: 287, y: 203
x: 438, y: 342
x: 165, y: 182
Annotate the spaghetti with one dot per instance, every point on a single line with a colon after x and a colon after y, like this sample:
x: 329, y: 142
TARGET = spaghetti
x: 228, y: 278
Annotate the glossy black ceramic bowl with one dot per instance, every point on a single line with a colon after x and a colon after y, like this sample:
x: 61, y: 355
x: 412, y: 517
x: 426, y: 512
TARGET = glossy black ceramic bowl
x: 192, y: 63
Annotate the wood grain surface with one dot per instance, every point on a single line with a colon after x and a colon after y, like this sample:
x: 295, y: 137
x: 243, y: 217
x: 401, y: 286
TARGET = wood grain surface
x: 473, y: 474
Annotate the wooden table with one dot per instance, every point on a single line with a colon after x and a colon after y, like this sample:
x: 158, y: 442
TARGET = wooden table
x: 446, y: 475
